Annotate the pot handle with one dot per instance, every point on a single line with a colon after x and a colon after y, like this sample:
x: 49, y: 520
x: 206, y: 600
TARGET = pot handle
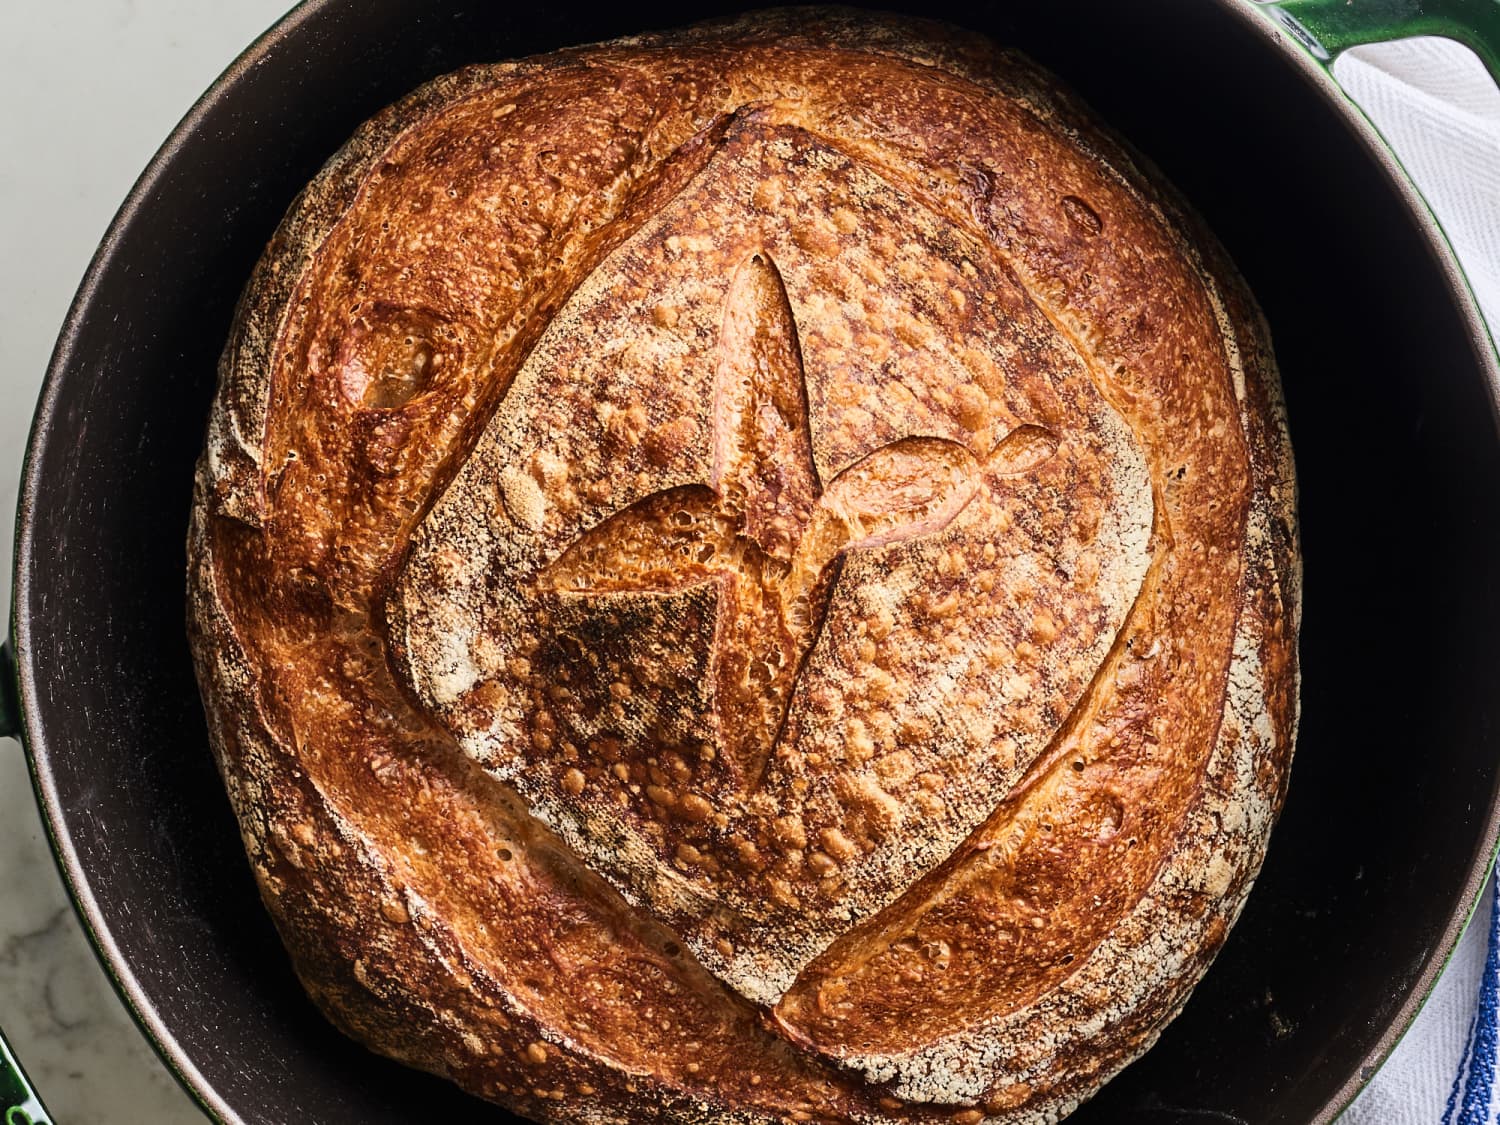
x: 1328, y: 27
x: 10, y: 707
x: 17, y: 1098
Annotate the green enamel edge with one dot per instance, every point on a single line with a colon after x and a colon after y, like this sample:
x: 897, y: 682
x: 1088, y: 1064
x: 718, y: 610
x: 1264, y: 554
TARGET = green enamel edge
x: 17, y: 1098
x: 1328, y: 27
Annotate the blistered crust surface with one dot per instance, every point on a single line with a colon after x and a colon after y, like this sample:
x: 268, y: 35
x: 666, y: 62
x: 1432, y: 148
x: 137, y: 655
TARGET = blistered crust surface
x: 749, y: 575
x: 620, y: 699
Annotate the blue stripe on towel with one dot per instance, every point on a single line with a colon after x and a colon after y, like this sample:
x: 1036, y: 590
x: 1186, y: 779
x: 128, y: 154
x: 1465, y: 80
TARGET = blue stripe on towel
x: 1458, y: 1078
x: 1481, y: 1050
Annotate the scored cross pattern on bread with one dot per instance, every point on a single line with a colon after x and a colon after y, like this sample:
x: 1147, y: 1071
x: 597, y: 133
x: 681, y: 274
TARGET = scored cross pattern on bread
x: 768, y: 532
x: 829, y: 718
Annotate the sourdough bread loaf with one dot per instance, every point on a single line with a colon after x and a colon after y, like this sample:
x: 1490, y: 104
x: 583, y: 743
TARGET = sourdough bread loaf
x: 749, y: 575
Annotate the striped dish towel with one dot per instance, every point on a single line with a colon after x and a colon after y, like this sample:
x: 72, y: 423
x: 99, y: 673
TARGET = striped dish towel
x: 1440, y: 111
x: 1476, y: 1066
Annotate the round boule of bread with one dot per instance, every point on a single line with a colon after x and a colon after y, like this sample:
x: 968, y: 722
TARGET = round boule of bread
x: 749, y: 575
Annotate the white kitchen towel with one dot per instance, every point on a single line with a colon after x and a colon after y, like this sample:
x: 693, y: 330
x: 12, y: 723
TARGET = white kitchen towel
x: 1440, y: 110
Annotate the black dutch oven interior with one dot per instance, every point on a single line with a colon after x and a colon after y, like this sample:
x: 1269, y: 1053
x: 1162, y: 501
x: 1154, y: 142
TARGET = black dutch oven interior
x: 1386, y: 833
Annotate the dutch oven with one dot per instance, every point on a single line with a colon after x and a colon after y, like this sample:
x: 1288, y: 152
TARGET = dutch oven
x: 1391, y: 381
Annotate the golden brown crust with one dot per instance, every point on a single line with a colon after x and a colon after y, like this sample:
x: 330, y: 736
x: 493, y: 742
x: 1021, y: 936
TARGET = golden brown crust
x: 749, y: 575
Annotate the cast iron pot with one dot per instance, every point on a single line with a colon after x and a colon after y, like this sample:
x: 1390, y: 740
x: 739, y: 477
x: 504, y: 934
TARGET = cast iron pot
x: 1392, y: 386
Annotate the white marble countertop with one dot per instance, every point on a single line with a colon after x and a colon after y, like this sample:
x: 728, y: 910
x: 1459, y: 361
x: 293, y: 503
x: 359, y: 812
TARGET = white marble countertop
x: 88, y: 90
